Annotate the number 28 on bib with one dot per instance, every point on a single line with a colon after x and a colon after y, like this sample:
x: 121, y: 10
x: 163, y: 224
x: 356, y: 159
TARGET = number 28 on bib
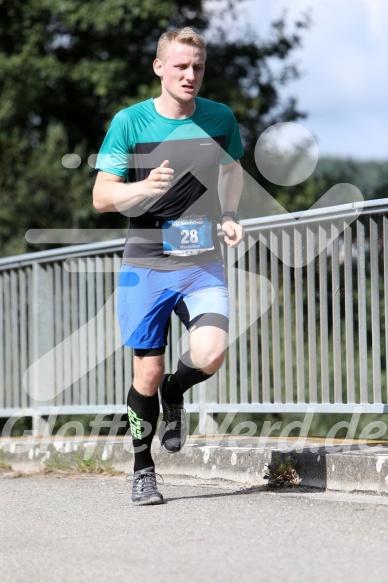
x: 187, y: 236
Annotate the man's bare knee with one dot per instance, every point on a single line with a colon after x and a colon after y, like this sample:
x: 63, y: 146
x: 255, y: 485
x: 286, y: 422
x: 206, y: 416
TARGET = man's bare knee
x: 208, y: 358
x: 209, y: 363
x: 208, y: 348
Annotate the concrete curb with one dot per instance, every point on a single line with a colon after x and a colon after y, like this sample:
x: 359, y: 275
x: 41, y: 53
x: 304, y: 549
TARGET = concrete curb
x: 348, y: 466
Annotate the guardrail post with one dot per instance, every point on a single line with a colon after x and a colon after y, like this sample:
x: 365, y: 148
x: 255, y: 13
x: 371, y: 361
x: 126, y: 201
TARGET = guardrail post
x: 41, y: 379
x: 208, y: 420
x: 41, y: 426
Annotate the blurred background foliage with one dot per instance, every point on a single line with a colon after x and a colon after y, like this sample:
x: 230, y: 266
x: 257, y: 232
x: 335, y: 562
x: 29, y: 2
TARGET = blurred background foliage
x: 67, y: 66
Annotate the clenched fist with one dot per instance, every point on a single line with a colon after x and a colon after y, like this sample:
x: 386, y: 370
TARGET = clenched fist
x: 159, y: 180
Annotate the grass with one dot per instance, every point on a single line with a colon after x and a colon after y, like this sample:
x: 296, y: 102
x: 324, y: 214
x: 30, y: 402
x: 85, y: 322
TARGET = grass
x: 5, y: 466
x: 282, y: 473
x: 76, y: 464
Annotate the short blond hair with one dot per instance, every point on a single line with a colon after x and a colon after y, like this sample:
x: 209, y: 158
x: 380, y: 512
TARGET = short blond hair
x: 185, y: 35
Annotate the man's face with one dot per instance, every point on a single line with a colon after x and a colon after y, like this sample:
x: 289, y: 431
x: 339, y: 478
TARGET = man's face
x: 181, y: 71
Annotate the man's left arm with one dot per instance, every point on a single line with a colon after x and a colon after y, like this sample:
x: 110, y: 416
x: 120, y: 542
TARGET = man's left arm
x: 230, y: 184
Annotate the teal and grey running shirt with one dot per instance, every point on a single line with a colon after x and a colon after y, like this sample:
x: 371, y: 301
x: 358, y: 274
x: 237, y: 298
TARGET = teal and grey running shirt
x: 172, y: 231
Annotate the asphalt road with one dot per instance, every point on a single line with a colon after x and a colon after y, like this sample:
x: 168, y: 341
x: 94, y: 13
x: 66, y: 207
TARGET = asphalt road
x: 81, y: 530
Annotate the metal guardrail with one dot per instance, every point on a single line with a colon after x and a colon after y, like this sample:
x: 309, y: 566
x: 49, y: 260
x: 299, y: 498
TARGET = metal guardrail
x: 308, y: 325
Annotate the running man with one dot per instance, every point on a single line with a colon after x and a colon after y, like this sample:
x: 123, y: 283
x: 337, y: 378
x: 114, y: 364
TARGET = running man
x: 171, y: 164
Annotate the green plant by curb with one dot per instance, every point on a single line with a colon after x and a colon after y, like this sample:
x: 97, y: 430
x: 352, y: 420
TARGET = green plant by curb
x: 282, y: 473
x: 5, y: 466
x: 78, y: 464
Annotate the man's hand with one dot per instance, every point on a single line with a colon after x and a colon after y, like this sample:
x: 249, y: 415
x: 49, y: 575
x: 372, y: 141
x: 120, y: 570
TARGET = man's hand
x: 159, y: 180
x: 234, y: 233
x: 112, y: 193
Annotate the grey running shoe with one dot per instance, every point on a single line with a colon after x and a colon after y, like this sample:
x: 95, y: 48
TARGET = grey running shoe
x: 172, y: 430
x: 144, y: 488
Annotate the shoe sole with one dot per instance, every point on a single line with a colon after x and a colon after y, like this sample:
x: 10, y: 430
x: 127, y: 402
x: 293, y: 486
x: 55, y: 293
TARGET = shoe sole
x: 161, y: 432
x: 171, y: 450
x: 161, y: 435
x: 149, y: 502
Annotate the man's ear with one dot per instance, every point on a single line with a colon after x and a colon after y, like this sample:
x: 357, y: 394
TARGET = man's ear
x: 158, y: 67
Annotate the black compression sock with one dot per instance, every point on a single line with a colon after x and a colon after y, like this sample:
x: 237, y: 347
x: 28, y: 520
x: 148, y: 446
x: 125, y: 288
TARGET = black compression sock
x: 143, y: 414
x: 185, y: 377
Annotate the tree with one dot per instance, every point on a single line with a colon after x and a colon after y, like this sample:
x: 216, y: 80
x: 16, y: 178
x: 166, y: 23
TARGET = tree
x: 67, y: 66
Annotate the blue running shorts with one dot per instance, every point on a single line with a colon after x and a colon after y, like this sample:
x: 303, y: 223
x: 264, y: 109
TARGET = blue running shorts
x: 147, y: 298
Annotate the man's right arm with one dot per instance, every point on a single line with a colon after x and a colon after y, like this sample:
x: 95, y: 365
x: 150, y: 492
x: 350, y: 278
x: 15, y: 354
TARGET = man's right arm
x: 112, y: 194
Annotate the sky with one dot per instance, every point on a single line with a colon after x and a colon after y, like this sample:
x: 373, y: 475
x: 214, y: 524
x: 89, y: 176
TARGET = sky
x: 344, y: 65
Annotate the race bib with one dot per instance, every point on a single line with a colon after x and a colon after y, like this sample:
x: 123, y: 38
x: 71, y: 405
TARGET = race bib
x: 187, y: 236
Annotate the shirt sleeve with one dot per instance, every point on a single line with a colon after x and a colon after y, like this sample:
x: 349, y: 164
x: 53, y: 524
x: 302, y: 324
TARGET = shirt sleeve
x: 115, y: 152
x: 234, y: 149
